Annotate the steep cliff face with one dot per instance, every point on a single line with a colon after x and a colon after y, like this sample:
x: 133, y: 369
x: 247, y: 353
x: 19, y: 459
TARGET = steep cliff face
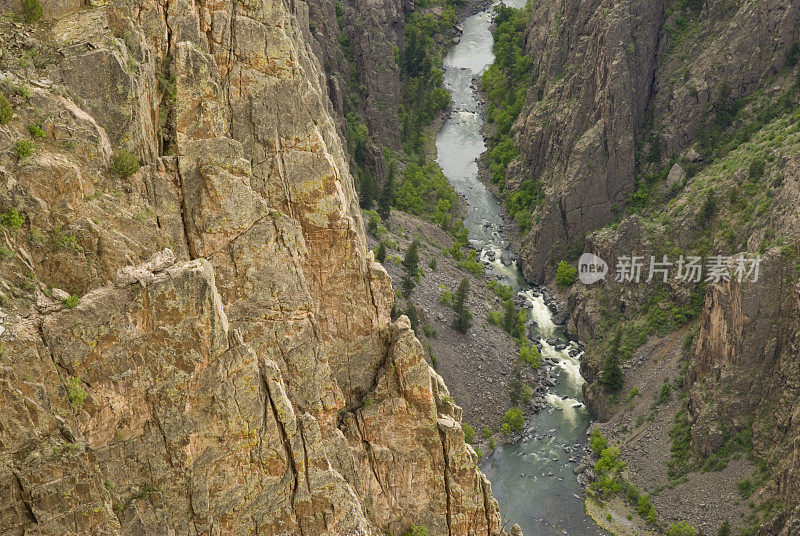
x: 247, y: 380
x: 621, y: 86
x: 577, y: 134
x: 356, y: 41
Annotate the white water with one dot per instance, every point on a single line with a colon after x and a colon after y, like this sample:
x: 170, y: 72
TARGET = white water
x: 532, y: 479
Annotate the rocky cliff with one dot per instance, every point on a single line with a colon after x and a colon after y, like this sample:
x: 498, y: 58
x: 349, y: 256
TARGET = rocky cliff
x: 622, y: 85
x: 202, y: 344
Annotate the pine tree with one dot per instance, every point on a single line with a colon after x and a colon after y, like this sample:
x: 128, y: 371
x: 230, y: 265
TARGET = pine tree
x: 411, y: 268
x: 380, y: 253
x: 463, y: 319
x: 612, y: 376
x: 413, y: 316
x: 725, y: 529
x: 387, y: 196
x: 368, y: 189
x: 509, y: 316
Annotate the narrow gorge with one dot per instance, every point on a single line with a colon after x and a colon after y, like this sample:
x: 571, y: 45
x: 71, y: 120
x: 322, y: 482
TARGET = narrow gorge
x: 330, y: 267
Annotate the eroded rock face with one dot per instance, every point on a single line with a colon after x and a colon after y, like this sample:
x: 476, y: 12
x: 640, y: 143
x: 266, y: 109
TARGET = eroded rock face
x: 613, y: 77
x: 248, y: 379
x: 744, y: 370
x: 578, y: 131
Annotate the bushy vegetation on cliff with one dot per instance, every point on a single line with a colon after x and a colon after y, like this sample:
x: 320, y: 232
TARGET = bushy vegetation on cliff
x: 421, y: 74
x: 506, y: 83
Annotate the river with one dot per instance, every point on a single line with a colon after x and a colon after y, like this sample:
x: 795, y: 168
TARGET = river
x: 532, y: 479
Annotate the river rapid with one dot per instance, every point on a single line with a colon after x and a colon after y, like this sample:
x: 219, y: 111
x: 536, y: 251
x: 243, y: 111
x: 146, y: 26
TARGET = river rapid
x: 532, y: 479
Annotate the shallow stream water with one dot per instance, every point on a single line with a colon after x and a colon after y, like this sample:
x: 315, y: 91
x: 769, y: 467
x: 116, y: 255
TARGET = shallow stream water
x: 532, y: 479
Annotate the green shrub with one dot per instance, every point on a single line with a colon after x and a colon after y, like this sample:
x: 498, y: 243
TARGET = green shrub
x: 598, y: 443
x: 6, y: 113
x: 66, y: 241
x: 746, y: 488
x: 433, y: 264
x: 608, y: 469
x: 12, y: 219
x: 471, y: 264
x: 514, y: 419
x: 664, y: 395
x: 32, y: 10
x: 125, y: 163
x: 36, y: 131
x: 632, y: 494
x: 681, y: 435
x: 76, y: 393
x: 416, y: 530
x: 445, y: 297
x: 24, y: 148
x: 756, y: 169
x: 495, y: 318
x: 71, y: 302
x: 469, y: 433
x: 793, y: 56
x: 530, y: 355
x: 724, y: 529
x: 707, y: 209
x: 565, y: 274
x: 644, y: 505
x: 373, y: 222
x: 504, y: 292
x: 430, y: 331
x: 681, y: 529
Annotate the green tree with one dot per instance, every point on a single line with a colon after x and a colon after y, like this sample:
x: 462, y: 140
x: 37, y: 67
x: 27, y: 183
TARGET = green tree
x: 518, y: 391
x: 380, y: 252
x: 469, y: 433
x: 386, y: 200
x: 509, y: 316
x: 565, y: 274
x: 463, y: 318
x: 410, y: 268
x: 598, y: 442
x: 612, y: 376
x: 515, y: 419
x: 413, y: 316
x: 724, y: 529
x: 529, y: 354
x: 367, y: 189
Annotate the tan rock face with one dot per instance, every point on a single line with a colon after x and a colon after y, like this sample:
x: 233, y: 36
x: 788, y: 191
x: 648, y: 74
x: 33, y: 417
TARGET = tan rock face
x: 249, y: 380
